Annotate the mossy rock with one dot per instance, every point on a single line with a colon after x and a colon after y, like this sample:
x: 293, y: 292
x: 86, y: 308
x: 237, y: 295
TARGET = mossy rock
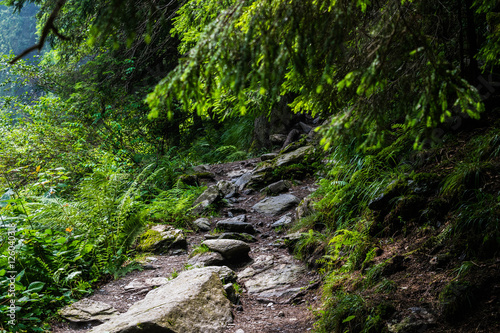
x: 295, y: 145
x: 293, y: 164
x: 190, y: 180
x: 161, y: 238
x: 456, y: 299
x: 194, y: 179
x: 148, y: 240
x: 425, y: 183
x: 406, y: 209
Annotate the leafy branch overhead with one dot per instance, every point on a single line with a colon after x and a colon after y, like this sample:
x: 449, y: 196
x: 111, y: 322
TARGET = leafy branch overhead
x: 367, y: 63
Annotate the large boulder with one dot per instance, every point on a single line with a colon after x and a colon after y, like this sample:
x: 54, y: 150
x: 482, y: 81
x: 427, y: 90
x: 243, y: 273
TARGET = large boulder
x: 194, y: 302
x: 236, y: 224
x: 210, y: 196
x: 229, y: 248
x: 276, y: 205
x: 88, y: 311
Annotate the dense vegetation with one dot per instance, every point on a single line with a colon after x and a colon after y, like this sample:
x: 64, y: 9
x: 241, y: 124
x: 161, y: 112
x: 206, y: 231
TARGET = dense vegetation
x: 127, y: 95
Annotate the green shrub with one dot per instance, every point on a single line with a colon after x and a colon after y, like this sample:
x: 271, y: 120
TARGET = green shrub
x: 343, y: 312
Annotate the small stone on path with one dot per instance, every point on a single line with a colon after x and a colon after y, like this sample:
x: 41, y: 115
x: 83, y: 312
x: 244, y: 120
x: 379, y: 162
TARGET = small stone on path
x: 206, y: 259
x: 284, y: 221
x: 228, y: 248
x: 202, y: 223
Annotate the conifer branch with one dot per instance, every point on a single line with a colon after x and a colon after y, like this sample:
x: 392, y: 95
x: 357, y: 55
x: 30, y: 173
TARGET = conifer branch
x: 47, y: 28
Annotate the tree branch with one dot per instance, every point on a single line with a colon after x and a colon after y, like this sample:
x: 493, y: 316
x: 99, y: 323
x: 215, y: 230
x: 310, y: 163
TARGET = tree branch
x: 47, y: 28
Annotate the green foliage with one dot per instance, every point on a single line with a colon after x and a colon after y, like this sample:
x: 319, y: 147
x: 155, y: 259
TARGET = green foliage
x: 465, y: 177
x: 344, y: 312
x: 456, y: 298
x: 386, y: 286
x: 69, y: 245
x: 464, y: 269
x: 308, y: 242
x: 349, y: 248
x: 479, y: 218
x: 170, y: 207
x: 226, y: 144
x: 355, y: 178
x: 200, y: 249
x: 273, y: 48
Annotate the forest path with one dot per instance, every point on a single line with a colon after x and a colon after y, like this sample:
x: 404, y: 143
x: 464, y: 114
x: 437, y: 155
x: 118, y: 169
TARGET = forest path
x: 278, y: 292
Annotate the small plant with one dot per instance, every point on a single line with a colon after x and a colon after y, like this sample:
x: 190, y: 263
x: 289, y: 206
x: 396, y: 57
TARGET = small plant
x: 216, y: 231
x: 174, y: 274
x: 308, y: 242
x: 464, y: 269
x: 373, y: 274
x: 386, y: 286
x: 237, y: 288
x: 465, y: 177
x: 456, y: 298
x: 199, y: 249
x: 344, y: 312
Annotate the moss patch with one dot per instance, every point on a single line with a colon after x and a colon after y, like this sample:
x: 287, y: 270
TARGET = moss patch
x: 149, y: 240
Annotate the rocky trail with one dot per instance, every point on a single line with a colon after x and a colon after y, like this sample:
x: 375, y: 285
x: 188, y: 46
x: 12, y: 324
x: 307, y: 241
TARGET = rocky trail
x: 268, y: 289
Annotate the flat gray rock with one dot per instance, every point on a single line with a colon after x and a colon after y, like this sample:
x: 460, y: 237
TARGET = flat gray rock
x: 137, y: 284
x: 193, y: 302
x: 227, y: 189
x: 236, y: 224
x: 276, y: 205
x: 277, y: 139
x: 228, y: 248
x: 284, y: 221
x: 237, y: 173
x: 201, y: 168
x: 202, y: 223
x: 87, y: 310
x: 271, y: 277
